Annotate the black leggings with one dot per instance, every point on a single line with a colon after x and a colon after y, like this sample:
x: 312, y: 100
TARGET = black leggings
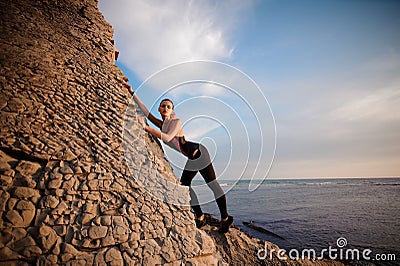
x: 208, y: 173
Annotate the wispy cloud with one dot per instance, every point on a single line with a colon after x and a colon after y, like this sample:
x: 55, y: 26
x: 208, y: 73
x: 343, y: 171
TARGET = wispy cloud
x: 200, y: 89
x: 341, y: 122
x: 383, y: 104
x: 155, y: 34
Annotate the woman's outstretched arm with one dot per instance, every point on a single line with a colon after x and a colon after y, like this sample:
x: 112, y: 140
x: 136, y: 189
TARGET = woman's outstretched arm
x: 143, y: 107
x: 152, y: 118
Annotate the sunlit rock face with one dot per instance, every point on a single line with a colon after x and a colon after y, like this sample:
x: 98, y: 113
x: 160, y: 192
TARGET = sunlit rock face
x: 67, y: 196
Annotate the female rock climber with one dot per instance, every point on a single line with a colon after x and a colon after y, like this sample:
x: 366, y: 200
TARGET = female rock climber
x: 198, y: 157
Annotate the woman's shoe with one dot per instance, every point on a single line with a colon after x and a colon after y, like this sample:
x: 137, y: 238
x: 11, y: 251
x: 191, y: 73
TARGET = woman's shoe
x: 225, y: 225
x: 200, y: 223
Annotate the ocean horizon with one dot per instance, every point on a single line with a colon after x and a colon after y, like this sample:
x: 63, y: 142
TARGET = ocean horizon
x: 245, y: 180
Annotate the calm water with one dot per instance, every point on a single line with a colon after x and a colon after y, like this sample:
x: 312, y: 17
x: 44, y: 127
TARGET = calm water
x: 314, y: 213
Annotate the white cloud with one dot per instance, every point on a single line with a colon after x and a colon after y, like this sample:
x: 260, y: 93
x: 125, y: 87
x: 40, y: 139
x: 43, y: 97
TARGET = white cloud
x: 152, y: 35
x: 201, y: 89
x: 378, y: 105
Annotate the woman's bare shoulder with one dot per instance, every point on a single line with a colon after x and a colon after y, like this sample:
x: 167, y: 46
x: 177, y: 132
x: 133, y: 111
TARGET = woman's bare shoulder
x: 173, y: 120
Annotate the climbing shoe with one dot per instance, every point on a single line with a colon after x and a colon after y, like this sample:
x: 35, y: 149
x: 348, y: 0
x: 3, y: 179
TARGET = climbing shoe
x: 225, y: 225
x: 200, y: 222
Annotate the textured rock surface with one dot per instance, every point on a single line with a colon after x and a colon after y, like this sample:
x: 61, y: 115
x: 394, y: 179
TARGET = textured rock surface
x: 67, y: 196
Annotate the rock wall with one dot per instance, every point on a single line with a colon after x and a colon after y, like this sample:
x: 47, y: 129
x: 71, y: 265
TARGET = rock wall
x: 67, y: 196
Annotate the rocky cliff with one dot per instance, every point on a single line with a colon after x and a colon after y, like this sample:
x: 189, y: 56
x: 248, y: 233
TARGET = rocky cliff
x: 67, y: 196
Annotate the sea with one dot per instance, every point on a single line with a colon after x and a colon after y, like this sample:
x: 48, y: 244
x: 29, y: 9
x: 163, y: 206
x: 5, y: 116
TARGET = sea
x: 341, y: 213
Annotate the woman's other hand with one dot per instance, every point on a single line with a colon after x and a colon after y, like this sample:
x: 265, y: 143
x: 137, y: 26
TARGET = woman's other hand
x: 142, y: 122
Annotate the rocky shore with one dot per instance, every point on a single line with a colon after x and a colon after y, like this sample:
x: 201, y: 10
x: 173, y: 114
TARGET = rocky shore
x: 67, y: 196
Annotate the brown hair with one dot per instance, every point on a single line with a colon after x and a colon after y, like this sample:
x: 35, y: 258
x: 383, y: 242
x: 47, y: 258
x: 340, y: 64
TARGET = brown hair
x: 168, y: 100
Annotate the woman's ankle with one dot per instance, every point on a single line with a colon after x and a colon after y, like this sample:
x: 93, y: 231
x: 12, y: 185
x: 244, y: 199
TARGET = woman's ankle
x: 201, y: 217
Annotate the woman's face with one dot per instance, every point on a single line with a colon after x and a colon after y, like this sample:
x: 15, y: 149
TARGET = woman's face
x: 166, y: 108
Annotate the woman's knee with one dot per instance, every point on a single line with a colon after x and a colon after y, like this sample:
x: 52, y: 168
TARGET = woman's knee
x: 187, y: 177
x: 208, y: 173
x: 216, y: 189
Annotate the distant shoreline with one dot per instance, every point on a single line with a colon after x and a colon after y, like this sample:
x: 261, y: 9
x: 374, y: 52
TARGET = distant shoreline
x: 199, y: 180
x: 317, y: 178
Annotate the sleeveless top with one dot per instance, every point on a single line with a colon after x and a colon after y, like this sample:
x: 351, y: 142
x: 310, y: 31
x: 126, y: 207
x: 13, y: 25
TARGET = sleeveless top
x: 187, y: 148
x: 180, y: 144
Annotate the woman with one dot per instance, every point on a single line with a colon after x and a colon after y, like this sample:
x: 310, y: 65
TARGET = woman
x: 198, y: 158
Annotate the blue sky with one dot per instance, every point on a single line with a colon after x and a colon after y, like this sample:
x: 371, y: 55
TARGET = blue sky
x: 329, y: 69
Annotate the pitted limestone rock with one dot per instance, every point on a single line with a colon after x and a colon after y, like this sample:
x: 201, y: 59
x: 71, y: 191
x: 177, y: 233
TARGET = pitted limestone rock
x: 67, y: 195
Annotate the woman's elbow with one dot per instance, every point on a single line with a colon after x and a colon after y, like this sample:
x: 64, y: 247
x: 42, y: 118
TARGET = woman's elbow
x: 166, y: 138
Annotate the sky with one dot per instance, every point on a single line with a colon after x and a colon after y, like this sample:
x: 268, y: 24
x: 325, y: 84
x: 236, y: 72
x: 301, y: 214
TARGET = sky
x: 329, y: 72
